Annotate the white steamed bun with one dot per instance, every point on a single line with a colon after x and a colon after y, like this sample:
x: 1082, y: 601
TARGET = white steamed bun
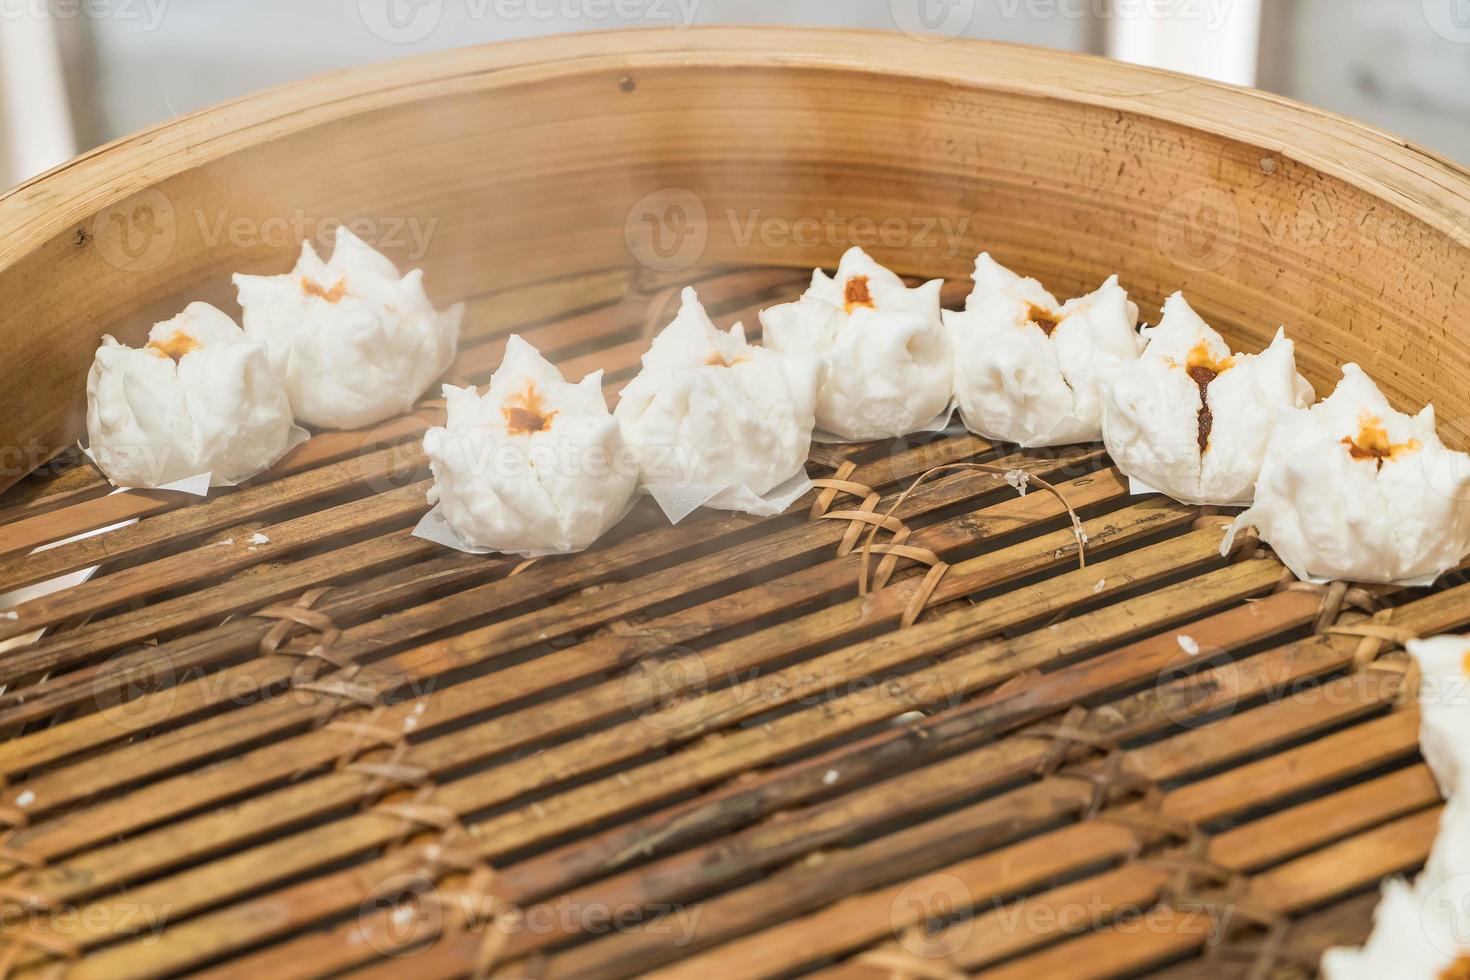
x: 199, y: 398
x: 353, y: 341
x: 1191, y: 419
x: 1032, y: 371
x: 1444, y: 708
x: 1420, y: 930
x: 886, y: 359
x: 712, y: 414
x: 535, y: 466
x: 1353, y: 490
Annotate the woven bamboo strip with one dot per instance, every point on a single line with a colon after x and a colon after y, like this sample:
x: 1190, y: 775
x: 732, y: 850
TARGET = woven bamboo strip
x: 897, y: 798
x: 241, y: 593
x: 505, y: 733
x: 200, y: 564
x: 1395, y: 846
x: 986, y: 717
x: 1275, y: 838
x: 814, y: 884
x: 506, y: 686
x: 544, y: 581
x: 175, y: 659
x: 1345, y: 923
x: 768, y: 901
x: 362, y: 473
x: 995, y: 935
x: 656, y: 780
x: 1406, y: 732
x: 998, y: 929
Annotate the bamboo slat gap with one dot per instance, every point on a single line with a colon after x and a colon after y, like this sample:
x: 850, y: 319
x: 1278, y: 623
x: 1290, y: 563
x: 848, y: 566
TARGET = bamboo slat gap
x: 1396, y: 846
x: 614, y: 697
x: 472, y: 604
x: 97, y: 823
x: 211, y: 561
x: 546, y: 580
x: 1318, y: 763
x: 1309, y: 604
x: 1331, y: 750
x: 477, y: 792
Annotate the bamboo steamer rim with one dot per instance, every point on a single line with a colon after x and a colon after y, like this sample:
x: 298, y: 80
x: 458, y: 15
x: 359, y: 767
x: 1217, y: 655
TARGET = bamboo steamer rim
x: 1425, y: 185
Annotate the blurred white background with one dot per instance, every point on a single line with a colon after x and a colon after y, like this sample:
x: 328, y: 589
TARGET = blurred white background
x: 77, y: 73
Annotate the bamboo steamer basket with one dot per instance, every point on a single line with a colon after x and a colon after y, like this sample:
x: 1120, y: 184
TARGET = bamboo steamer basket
x: 254, y: 756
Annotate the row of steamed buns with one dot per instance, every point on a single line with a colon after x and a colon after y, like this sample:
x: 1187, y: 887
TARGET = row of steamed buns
x: 1344, y: 489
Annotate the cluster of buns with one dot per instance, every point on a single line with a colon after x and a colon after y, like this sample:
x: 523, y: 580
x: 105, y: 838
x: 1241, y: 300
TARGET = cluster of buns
x: 1422, y: 928
x: 337, y: 345
x: 1344, y: 489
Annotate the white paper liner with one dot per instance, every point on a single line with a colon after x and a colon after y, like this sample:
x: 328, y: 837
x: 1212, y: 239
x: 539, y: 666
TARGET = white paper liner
x: 434, y: 528
x: 1138, y: 488
x: 10, y: 600
x: 939, y: 423
x: 1241, y: 522
x: 678, y: 503
x: 200, y: 484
